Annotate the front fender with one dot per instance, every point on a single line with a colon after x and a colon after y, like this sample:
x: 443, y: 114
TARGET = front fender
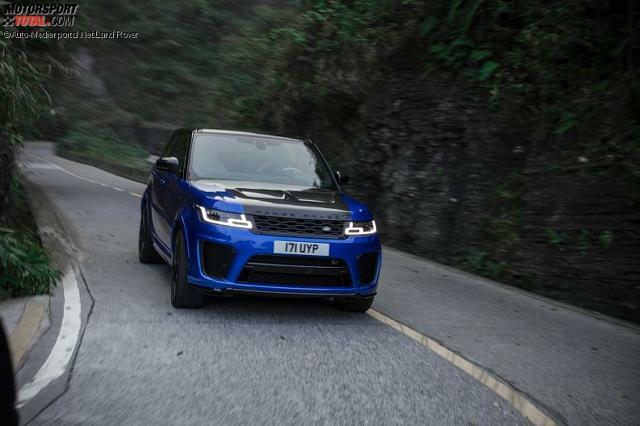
x: 145, y: 199
x: 181, y: 222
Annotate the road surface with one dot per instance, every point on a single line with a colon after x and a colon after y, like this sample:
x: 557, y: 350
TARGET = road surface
x: 249, y: 360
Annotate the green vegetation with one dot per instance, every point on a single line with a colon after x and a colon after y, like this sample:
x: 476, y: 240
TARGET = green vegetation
x: 24, y: 266
x: 86, y: 140
x: 101, y: 147
x: 584, y: 242
x: 263, y: 65
x: 21, y: 92
x: 503, y: 228
x: 482, y: 264
x: 556, y: 239
x: 500, y: 233
x: 605, y: 239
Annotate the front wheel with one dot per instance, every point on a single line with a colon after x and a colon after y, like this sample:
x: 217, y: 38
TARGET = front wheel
x: 354, y: 305
x: 182, y: 294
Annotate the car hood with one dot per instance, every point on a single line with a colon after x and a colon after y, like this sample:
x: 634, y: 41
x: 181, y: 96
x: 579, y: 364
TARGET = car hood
x: 268, y: 199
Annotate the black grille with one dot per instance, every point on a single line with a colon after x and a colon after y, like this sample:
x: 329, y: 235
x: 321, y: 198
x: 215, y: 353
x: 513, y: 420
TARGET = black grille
x: 216, y: 259
x: 296, y: 270
x: 296, y: 260
x: 317, y: 228
x: 294, y: 279
x: 367, y: 264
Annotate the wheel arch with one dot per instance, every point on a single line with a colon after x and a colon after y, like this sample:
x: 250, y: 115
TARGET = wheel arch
x: 180, y: 224
x: 144, y: 200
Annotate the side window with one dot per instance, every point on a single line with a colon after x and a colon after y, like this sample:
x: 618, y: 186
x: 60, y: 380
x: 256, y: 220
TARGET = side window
x: 178, y: 147
x: 182, y: 147
x: 170, y: 149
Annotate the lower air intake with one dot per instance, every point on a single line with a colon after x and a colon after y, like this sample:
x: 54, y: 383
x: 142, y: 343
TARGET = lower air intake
x: 296, y: 271
x: 216, y: 259
x: 367, y: 265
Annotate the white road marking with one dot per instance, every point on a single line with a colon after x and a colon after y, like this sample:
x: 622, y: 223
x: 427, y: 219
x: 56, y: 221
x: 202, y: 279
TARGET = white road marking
x: 517, y: 399
x: 43, y: 166
x: 60, y: 355
x: 52, y: 166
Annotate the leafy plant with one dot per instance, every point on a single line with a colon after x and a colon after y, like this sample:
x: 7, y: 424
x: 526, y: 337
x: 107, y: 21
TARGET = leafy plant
x: 22, y: 90
x: 91, y: 141
x: 556, y: 239
x: 482, y: 264
x: 487, y: 69
x: 584, y: 241
x: 502, y: 229
x: 567, y: 122
x: 428, y: 25
x: 24, y: 266
x: 605, y: 239
x: 24, y: 70
x: 479, y: 55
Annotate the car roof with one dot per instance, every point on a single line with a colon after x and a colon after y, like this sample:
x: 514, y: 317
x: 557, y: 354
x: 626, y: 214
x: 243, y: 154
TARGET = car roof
x: 235, y: 132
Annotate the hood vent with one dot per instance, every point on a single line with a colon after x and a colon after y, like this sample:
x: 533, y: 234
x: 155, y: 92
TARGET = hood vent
x: 263, y: 194
x: 302, y: 196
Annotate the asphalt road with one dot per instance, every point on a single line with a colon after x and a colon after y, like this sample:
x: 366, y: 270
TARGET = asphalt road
x: 249, y: 360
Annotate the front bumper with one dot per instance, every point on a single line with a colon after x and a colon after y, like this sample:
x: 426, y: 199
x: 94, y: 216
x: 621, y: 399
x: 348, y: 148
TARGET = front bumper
x: 247, y: 244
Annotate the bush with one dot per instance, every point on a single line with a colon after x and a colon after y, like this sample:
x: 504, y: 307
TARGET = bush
x: 24, y: 266
x: 93, y: 142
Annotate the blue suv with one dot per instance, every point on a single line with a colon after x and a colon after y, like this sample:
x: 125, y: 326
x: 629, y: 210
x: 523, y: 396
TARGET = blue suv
x: 235, y: 212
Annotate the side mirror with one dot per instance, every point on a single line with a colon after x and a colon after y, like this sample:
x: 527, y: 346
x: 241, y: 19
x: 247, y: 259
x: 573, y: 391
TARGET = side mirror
x: 341, y: 178
x: 151, y: 159
x: 168, y: 164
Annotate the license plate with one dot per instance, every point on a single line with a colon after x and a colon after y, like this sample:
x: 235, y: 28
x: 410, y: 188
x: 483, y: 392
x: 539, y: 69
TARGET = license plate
x: 308, y: 249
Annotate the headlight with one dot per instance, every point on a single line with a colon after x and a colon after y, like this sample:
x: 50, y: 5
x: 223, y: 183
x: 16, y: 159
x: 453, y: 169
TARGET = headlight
x: 367, y: 227
x: 217, y: 217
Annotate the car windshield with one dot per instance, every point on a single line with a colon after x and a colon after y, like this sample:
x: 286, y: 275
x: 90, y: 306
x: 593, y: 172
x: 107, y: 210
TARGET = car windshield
x: 257, y: 159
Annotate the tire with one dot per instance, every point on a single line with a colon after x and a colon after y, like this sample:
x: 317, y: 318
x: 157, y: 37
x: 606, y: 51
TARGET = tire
x: 354, y: 305
x: 146, y: 252
x: 182, y: 295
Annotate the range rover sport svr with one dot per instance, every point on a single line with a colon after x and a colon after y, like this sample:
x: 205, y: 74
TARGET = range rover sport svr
x: 235, y: 212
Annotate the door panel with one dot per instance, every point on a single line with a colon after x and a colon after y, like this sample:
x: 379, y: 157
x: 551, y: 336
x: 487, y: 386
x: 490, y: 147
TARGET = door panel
x: 161, y: 196
x: 174, y: 181
x: 161, y: 228
x: 158, y: 184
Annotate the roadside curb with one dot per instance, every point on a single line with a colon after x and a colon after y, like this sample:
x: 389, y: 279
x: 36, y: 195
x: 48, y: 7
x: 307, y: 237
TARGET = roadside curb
x: 53, y: 232
x: 41, y: 377
x: 531, y: 409
x: 22, y: 337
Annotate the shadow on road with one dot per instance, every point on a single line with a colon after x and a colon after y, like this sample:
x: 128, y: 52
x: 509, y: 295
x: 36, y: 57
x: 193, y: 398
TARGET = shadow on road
x: 284, y: 308
x: 255, y: 308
